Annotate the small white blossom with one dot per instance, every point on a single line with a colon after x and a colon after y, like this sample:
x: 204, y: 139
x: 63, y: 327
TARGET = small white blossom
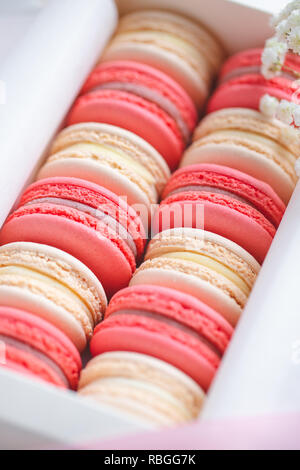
x: 268, y: 105
x: 293, y: 40
x: 285, y: 111
x: 296, y: 115
x: 289, y: 134
x: 285, y: 13
x: 281, y: 31
x: 273, y: 57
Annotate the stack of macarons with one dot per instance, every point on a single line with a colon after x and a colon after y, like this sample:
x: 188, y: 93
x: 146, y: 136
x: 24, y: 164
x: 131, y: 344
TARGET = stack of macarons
x: 50, y: 303
x: 77, y: 234
x: 212, y: 231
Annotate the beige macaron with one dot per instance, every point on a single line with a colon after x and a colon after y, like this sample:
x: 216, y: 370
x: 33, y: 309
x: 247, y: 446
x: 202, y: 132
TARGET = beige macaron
x: 142, y: 386
x: 203, y: 264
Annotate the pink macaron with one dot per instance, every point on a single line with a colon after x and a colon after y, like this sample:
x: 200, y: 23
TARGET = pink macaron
x: 224, y: 201
x: 167, y: 324
x: 246, y: 92
x: 85, y: 220
x: 141, y: 99
x: 241, y: 83
x: 36, y: 348
x: 249, y: 62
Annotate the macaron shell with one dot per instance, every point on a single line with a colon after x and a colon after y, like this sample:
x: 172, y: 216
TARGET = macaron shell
x: 133, y: 114
x: 118, y: 138
x: 119, y: 366
x: 156, y: 82
x: 154, y: 343
x: 245, y: 160
x: 239, y: 63
x: 164, y: 61
x: 258, y: 193
x: 84, y: 243
x: 104, y: 176
x: 246, y: 92
x: 189, y: 238
x: 219, y: 214
x: 190, y: 285
x: 23, y: 299
x: 42, y: 336
x: 22, y: 361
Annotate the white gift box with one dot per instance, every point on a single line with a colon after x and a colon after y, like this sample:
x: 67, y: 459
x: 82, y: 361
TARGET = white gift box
x: 41, y: 76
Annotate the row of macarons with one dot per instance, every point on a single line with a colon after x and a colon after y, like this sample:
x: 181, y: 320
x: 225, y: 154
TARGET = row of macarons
x: 187, y: 296
x: 73, y: 241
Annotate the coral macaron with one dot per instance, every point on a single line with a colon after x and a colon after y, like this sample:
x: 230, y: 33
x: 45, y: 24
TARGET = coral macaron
x: 202, y: 264
x: 249, y: 62
x: 169, y: 325
x: 225, y: 180
x: 85, y: 220
x: 52, y: 285
x: 142, y: 100
x: 227, y: 212
x: 38, y: 349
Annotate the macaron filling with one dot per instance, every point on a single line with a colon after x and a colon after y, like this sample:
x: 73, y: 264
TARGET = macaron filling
x: 169, y: 321
x: 23, y: 347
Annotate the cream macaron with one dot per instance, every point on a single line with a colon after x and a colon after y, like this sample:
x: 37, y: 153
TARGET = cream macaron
x: 142, y: 386
x: 174, y: 44
x: 247, y: 140
x: 203, y: 264
x: 53, y: 285
x: 112, y: 157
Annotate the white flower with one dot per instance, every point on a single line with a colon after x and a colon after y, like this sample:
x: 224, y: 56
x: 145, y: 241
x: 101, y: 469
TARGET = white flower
x: 273, y: 57
x: 293, y: 40
x: 281, y: 30
x: 285, y: 111
x: 285, y: 13
x: 293, y: 20
x: 296, y: 115
x: 289, y: 135
x: 268, y: 105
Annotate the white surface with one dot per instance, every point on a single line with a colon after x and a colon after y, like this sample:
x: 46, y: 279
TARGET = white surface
x: 261, y: 370
x: 272, y: 6
x: 42, y: 77
x: 36, y: 415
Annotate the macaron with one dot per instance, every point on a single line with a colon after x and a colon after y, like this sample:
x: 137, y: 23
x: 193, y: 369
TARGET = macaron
x: 248, y: 141
x: 141, y: 99
x: 53, y: 286
x: 219, y: 179
x: 38, y: 349
x: 246, y: 92
x: 85, y: 220
x: 142, y: 386
x: 171, y: 43
x: 167, y: 324
x: 113, y: 158
x: 249, y: 62
x: 220, y: 214
x: 205, y: 265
